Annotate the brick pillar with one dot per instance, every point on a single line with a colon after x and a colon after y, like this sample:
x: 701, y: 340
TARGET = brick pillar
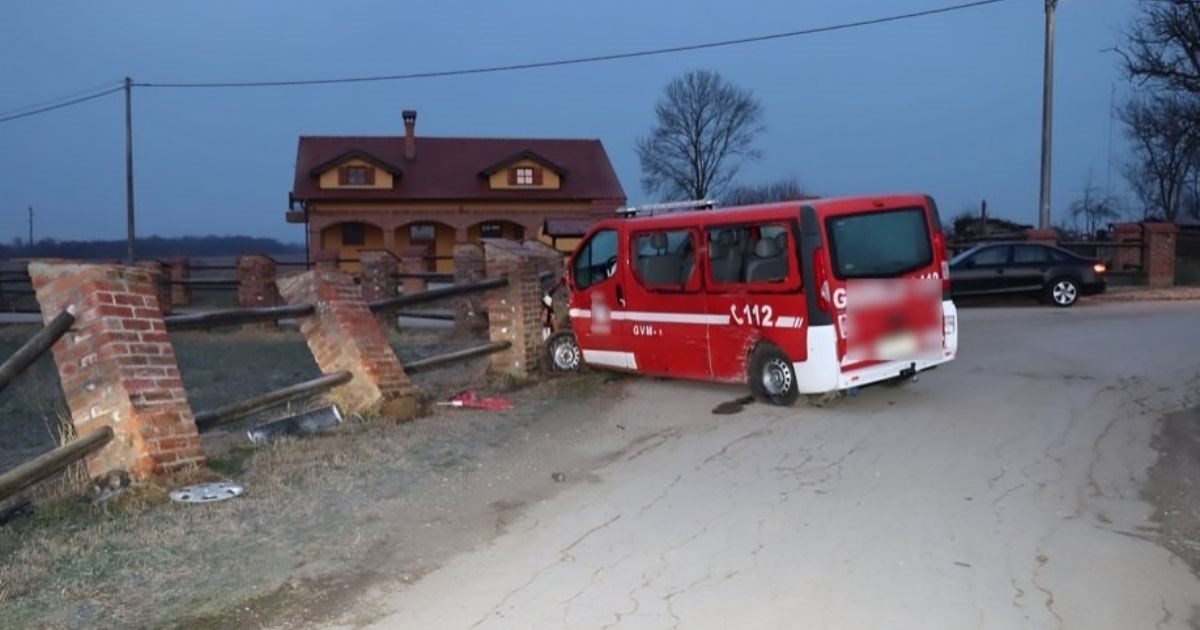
x: 256, y: 276
x: 178, y: 270
x: 412, y: 260
x: 158, y: 275
x: 470, y: 313
x: 343, y: 334
x: 1128, y: 256
x: 378, y: 274
x: 515, y: 311
x: 1045, y: 236
x: 379, y: 269
x: 1159, y: 253
x: 117, y: 367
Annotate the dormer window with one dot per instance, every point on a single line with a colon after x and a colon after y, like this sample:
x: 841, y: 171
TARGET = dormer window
x: 356, y: 176
x: 525, y: 176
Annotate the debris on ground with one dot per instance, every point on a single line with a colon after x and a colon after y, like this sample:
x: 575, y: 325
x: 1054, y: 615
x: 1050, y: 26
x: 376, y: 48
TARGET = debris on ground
x: 558, y: 477
x: 471, y: 400
x: 206, y: 492
x: 309, y: 422
x: 107, y: 486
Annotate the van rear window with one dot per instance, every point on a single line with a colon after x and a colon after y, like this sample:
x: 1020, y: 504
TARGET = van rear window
x: 879, y: 244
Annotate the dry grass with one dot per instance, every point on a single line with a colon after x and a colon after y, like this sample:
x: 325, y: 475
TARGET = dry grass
x: 311, y: 506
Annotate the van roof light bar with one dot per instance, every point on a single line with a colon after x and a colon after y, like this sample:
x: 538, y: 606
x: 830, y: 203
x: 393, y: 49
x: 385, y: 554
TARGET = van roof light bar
x: 651, y: 209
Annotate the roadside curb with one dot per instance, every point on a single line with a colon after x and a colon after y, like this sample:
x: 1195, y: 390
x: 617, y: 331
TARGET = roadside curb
x: 1172, y: 294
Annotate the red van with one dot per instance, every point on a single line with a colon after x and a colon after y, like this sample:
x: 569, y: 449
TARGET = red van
x: 808, y: 297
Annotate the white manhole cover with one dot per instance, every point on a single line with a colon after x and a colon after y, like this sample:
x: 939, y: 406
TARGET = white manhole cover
x: 206, y: 492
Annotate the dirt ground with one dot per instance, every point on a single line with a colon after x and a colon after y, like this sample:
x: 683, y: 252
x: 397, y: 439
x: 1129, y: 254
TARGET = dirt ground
x: 1173, y: 486
x: 374, y: 490
x: 302, y: 497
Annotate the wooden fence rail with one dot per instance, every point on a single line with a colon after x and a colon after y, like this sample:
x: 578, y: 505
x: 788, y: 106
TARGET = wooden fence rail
x: 35, y: 347
x: 206, y: 420
x: 45, y: 465
x: 433, y: 295
x: 430, y: 363
x: 226, y: 317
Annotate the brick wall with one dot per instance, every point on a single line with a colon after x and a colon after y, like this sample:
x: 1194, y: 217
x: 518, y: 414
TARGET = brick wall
x: 1127, y: 258
x: 343, y: 334
x: 1045, y: 236
x: 256, y: 276
x: 1159, y: 253
x: 470, y: 311
x: 379, y: 269
x: 515, y: 312
x: 117, y: 367
x: 179, y: 269
x: 158, y: 275
x: 412, y: 260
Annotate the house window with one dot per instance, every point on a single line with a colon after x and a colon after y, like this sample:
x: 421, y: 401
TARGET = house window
x: 491, y: 230
x: 422, y: 233
x: 358, y: 176
x: 354, y: 234
x: 524, y: 176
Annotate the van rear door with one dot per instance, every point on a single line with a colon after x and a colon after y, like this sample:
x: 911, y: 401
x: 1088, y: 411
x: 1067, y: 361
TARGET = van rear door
x: 886, y: 275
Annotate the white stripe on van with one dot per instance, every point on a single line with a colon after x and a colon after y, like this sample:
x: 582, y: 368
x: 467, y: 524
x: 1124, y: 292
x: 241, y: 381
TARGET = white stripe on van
x: 610, y: 358
x: 656, y: 317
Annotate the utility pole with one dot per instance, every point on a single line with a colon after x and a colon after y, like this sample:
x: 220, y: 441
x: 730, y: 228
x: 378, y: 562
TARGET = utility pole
x: 129, y: 164
x: 1047, y: 113
x: 31, y: 227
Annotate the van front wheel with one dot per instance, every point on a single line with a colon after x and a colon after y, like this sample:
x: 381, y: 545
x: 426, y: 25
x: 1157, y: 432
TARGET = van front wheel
x: 772, y: 377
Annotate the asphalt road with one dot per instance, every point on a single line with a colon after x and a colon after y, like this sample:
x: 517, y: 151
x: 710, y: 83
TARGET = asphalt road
x: 1000, y: 491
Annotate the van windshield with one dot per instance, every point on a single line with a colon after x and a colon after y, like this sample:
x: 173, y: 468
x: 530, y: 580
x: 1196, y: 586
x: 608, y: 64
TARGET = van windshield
x: 879, y: 244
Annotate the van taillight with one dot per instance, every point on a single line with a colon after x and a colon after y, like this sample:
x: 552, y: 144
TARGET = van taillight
x: 821, y: 275
x: 939, y: 246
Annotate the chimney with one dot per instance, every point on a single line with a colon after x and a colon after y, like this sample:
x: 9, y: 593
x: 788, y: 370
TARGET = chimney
x: 410, y: 134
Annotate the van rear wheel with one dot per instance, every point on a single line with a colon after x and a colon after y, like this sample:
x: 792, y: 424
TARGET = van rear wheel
x: 772, y: 377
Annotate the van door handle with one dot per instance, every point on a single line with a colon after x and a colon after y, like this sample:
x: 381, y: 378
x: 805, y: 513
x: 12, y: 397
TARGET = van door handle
x: 620, y: 297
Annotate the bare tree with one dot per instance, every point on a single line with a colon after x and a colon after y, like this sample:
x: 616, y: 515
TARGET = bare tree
x: 1164, y: 46
x: 1165, y: 150
x: 704, y: 131
x: 1093, y: 210
x: 780, y: 190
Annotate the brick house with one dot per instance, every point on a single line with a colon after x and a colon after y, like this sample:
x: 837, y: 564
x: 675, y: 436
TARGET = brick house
x: 399, y: 192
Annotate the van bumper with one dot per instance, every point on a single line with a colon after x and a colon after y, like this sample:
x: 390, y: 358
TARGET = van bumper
x: 822, y: 372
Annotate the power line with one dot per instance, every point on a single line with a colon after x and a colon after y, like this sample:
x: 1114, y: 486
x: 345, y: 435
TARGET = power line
x: 581, y: 60
x: 69, y: 103
x: 89, y: 90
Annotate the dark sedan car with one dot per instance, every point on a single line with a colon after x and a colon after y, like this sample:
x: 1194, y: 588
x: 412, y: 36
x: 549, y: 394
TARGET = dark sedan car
x: 1053, y: 274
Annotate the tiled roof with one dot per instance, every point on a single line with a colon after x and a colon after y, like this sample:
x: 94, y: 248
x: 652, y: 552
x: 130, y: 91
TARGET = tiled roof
x: 450, y: 168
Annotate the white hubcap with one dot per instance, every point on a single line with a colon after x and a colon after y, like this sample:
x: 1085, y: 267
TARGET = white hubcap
x: 1064, y: 292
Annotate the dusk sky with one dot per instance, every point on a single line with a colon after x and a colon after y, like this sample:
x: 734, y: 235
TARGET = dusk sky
x: 948, y: 104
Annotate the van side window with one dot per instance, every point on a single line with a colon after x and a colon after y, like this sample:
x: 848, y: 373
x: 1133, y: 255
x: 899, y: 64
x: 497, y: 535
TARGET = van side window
x: 751, y: 254
x: 665, y: 259
x: 597, y: 259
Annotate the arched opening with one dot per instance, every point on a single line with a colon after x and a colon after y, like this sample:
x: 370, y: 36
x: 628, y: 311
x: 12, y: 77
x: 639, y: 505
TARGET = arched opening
x: 436, y: 239
x: 348, y: 239
x: 496, y: 229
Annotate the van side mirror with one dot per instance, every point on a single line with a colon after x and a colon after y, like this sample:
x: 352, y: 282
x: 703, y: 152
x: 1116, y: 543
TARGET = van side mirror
x: 969, y: 263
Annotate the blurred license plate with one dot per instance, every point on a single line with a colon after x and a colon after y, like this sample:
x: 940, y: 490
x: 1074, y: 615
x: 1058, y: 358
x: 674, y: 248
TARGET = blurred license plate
x: 896, y: 347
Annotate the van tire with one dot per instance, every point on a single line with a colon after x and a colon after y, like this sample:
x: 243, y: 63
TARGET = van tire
x: 562, y: 352
x: 772, y: 377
